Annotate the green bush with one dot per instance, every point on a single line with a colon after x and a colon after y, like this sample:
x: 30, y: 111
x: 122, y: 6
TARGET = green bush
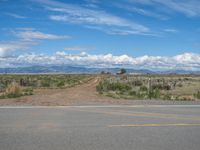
x: 161, y: 87
x: 141, y: 95
x: 102, y: 86
x: 120, y: 86
x: 143, y: 88
x: 154, y: 94
x: 132, y: 93
x: 61, y: 84
x: 167, y: 97
x: 180, y: 85
x: 137, y: 83
x: 166, y: 87
x: 115, y: 86
x: 156, y: 86
x: 197, y: 95
x: 28, y: 91
x: 45, y: 83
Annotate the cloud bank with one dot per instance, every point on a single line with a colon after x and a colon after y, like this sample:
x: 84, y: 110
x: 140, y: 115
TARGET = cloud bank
x: 186, y: 61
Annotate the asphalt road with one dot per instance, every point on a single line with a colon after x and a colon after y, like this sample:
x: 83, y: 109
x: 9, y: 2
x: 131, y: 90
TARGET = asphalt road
x: 100, y: 128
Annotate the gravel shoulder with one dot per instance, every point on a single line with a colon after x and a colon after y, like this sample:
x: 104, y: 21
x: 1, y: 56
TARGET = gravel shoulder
x: 84, y: 94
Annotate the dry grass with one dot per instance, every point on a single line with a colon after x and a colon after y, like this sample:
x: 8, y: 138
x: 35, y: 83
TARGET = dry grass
x: 14, y: 89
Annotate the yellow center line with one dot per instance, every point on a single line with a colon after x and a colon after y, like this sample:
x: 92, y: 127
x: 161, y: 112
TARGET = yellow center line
x: 154, y: 125
x: 160, y: 115
x: 182, y: 110
x: 138, y: 114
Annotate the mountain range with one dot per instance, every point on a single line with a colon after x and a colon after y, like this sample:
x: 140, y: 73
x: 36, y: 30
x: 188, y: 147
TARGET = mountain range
x: 85, y: 70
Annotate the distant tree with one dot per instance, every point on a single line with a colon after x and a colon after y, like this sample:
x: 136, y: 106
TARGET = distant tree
x: 108, y: 72
x: 122, y: 71
x: 102, y: 72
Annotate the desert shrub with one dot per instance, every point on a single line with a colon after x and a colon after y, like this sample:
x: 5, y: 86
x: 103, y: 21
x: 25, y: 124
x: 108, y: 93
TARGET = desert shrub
x: 156, y: 86
x: 45, y: 83
x: 180, y: 85
x: 161, y: 86
x: 143, y: 88
x: 132, y: 93
x: 99, y: 87
x: 186, y: 79
x: 2, y: 96
x: 105, y: 86
x: 167, y: 97
x: 122, y: 92
x: 141, y: 95
x: 102, y: 86
x: 197, y: 95
x: 2, y: 87
x: 113, y: 95
x: 120, y: 86
x: 166, y: 87
x: 61, y: 84
x: 28, y: 91
x: 184, y: 98
x: 13, y: 90
x: 137, y: 83
x: 154, y: 94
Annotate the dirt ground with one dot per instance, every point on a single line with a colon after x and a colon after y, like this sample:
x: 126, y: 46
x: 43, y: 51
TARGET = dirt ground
x: 84, y: 94
x: 78, y: 95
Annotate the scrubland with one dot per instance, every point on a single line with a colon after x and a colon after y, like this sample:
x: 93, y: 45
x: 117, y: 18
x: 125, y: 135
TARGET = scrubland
x: 98, y: 87
x: 159, y: 87
x: 13, y: 85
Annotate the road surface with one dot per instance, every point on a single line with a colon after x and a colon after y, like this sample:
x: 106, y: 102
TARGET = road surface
x: 160, y: 127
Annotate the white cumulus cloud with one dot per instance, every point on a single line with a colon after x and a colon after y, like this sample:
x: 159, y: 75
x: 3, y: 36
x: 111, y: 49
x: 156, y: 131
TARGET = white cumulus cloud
x: 7, y: 48
x: 185, y: 61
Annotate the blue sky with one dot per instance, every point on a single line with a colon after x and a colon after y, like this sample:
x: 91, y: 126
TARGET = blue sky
x: 102, y: 33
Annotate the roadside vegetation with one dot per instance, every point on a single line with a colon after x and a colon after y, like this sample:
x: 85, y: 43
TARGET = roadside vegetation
x: 159, y: 87
x: 121, y: 86
x: 12, y: 86
x: 13, y: 90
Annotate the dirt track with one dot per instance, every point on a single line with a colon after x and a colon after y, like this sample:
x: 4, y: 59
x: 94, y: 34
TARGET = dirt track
x: 84, y: 94
x: 81, y: 94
